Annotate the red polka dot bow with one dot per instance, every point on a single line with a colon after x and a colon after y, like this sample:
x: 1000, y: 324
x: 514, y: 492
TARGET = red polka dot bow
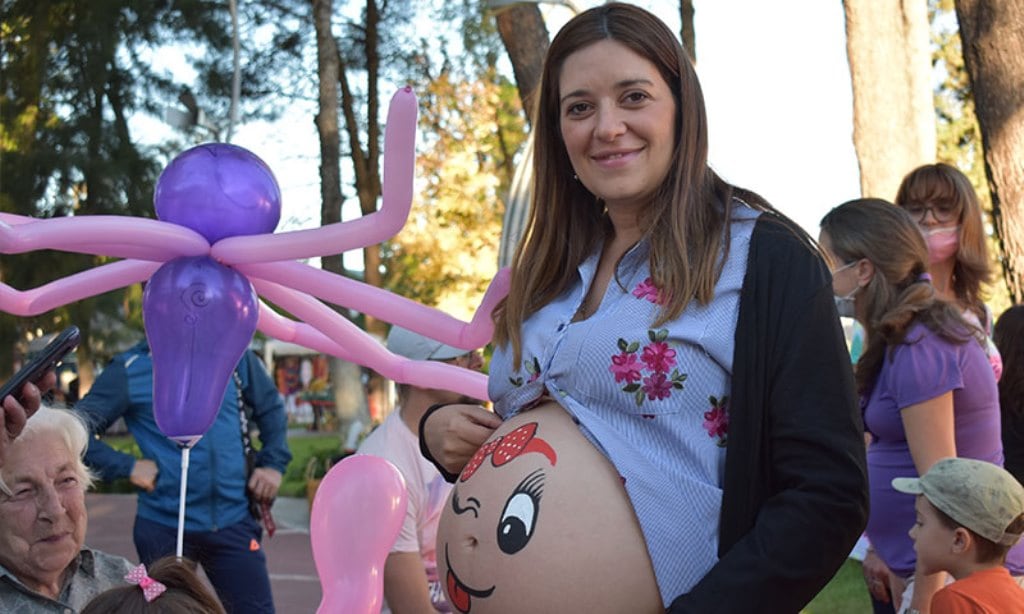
x: 151, y: 589
x: 507, y: 447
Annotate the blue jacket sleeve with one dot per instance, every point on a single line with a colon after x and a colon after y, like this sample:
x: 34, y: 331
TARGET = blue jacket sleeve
x: 268, y: 412
x: 106, y: 401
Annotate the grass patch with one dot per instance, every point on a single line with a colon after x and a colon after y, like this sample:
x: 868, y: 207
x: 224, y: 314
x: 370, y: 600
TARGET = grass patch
x: 845, y: 594
x: 324, y: 448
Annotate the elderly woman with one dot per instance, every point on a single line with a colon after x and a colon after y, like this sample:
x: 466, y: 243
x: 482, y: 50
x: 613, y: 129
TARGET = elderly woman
x: 44, y: 566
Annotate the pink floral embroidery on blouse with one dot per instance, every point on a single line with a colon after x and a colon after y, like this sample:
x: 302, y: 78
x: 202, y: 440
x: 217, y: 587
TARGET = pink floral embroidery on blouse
x: 626, y: 368
x: 648, y: 373
x: 659, y: 357
x: 716, y: 420
x: 647, y: 290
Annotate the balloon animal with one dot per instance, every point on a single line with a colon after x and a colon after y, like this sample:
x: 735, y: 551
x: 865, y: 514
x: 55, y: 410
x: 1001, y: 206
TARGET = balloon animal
x: 218, y: 205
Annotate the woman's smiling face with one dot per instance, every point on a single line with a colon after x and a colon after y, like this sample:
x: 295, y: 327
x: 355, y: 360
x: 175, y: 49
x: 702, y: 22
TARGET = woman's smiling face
x: 617, y: 121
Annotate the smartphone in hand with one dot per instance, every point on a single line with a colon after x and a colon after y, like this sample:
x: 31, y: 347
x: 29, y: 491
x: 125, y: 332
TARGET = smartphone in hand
x: 44, y: 361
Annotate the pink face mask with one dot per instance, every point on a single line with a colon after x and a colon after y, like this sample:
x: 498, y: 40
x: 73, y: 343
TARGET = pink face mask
x: 942, y: 243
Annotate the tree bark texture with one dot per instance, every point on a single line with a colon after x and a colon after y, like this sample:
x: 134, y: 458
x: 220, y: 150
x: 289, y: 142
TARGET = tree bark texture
x: 686, y: 32
x: 367, y: 165
x: 525, y: 37
x: 992, y: 32
x: 887, y: 46
x: 327, y: 124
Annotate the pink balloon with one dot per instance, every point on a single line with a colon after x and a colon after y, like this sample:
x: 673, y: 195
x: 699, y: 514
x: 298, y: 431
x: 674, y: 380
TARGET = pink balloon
x: 103, y: 235
x: 370, y: 353
x: 357, y: 513
x: 396, y: 200
x: 74, y: 287
x: 384, y: 305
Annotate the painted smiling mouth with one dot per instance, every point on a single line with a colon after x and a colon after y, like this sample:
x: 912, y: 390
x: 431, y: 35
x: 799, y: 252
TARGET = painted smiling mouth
x: 459, y: 594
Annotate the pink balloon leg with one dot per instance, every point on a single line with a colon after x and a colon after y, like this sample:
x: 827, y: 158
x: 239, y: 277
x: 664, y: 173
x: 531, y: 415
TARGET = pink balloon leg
x: 356, y: 516
x: 396, y: 201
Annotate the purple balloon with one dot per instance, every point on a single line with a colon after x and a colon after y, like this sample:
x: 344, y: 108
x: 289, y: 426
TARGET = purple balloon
x: 219, y: 190
x: 199, y: 317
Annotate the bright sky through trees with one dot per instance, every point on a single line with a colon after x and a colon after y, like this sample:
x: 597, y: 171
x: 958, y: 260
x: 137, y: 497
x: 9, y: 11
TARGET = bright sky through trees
x: 776, y: 84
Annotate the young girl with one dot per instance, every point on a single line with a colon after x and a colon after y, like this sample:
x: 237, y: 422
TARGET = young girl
x: 170, y: 586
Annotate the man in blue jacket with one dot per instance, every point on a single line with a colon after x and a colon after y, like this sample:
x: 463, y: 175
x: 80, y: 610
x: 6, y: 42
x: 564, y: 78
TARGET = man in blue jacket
x: 220, y: 533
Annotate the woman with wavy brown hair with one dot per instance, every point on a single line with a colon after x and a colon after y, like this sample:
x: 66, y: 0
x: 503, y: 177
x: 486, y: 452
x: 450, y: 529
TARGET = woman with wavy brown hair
x: 927, y: 390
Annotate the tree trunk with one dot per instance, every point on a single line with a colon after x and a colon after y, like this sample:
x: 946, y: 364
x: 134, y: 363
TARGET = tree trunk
x: 992, y: 32
x: 526, y: 40
x: 887, y: 45
x: 349, y: 402
x: 525, y: 36
x: 686, y: 32
x: 327, y: 124
x: 366, y: 163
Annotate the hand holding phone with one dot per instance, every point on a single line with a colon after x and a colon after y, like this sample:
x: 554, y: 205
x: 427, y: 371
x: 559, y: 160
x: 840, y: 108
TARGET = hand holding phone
x: 43, y: 362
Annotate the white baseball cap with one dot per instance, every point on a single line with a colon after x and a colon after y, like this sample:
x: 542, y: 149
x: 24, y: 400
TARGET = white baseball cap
x: 981, y: 496
x: 415, y: 346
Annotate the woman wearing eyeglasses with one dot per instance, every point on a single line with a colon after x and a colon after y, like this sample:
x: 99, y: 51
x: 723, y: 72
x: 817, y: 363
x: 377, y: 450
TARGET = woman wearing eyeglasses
x: 943, y: 203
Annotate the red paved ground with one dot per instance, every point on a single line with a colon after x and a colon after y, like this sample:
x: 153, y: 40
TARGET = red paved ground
x: 292, y: 572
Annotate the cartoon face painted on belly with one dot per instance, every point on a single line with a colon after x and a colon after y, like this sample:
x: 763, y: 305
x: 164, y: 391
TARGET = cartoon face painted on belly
x: 539, y: 522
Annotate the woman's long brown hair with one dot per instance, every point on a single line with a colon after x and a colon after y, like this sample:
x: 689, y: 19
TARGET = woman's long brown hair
x: 688, y: 218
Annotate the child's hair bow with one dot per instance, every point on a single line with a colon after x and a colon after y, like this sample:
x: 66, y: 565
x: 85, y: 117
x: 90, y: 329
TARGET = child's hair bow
x: 151, y: 589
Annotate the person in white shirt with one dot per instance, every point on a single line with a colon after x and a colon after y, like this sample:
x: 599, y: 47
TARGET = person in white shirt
x: 411, y: 583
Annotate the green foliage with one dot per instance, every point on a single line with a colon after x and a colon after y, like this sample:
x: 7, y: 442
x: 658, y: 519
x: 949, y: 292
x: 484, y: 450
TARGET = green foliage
x: 322, y: 449
x: 959, y: 136
x: 473, y: 128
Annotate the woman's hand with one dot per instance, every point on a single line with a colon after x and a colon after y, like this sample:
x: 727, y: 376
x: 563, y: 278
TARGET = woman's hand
x: 877, y: 576
x: 453, y: 433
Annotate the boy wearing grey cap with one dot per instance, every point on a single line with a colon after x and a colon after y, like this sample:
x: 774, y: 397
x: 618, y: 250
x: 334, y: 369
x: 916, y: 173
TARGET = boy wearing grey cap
x: 969, y: 514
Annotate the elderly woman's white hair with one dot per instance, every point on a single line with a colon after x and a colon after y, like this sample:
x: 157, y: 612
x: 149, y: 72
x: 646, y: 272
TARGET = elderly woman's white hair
x: 66, y: 425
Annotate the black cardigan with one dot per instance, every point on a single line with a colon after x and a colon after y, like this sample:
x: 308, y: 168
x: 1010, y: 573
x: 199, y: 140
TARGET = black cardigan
x: 795, y: 489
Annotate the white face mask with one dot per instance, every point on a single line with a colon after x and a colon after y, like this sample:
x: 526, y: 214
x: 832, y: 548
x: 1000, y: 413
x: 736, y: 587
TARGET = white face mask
x: 845, y: 304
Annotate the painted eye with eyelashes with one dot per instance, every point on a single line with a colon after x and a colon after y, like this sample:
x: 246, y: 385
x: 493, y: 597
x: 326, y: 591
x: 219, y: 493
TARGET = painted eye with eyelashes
x: 472, y: 505
x: 519, y: 518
